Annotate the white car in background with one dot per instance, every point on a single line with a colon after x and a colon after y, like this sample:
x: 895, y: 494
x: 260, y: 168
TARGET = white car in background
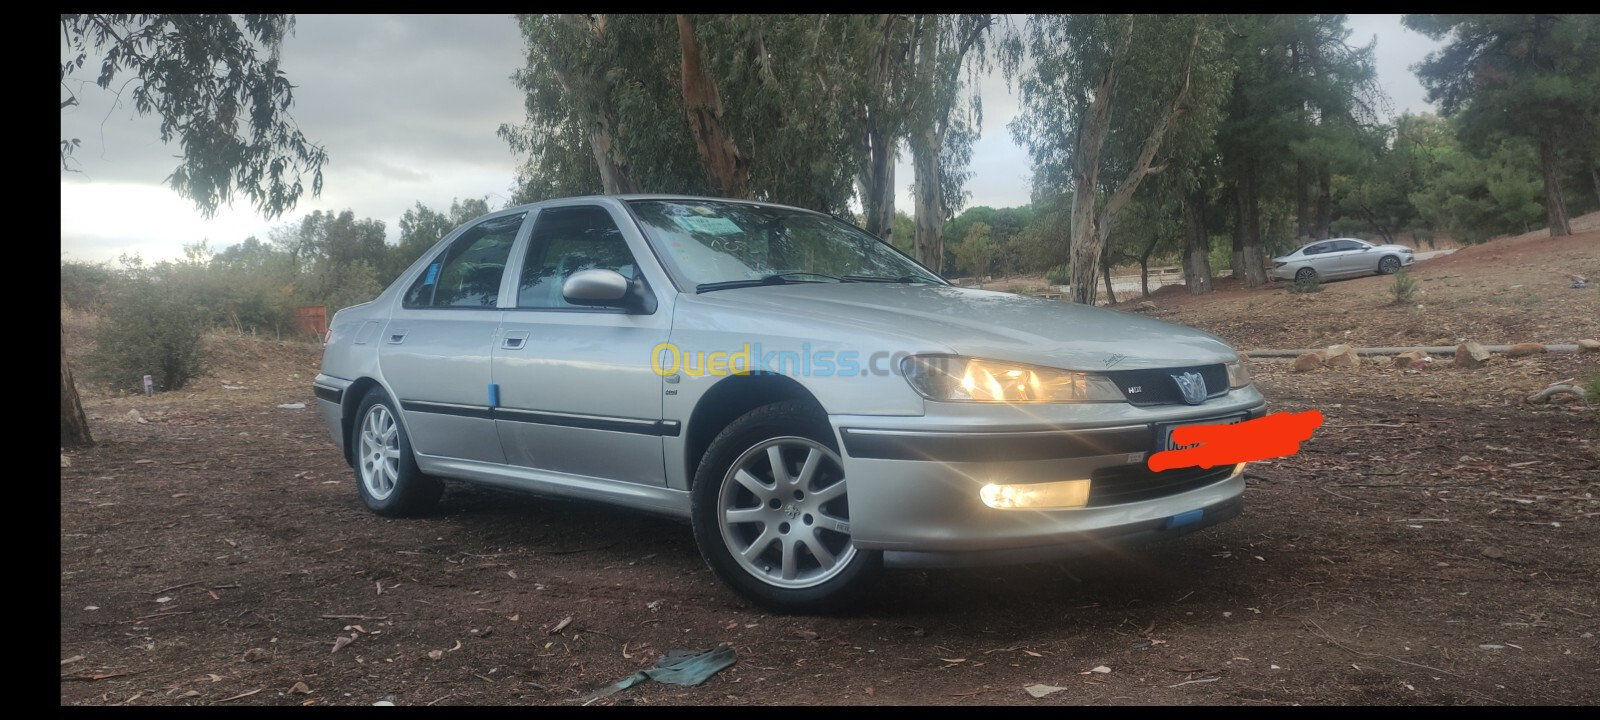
x: 1341, y: 257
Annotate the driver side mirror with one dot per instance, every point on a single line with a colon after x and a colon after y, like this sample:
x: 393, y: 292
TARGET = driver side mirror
x: 608, y: 288
x: 1365, y: 248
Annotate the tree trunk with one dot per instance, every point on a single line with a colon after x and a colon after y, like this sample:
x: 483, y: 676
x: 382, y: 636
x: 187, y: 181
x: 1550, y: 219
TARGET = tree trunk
x: 1236, y: 258
x: 927, y: 194
x: 877, y: 182
x: 1105, y: 270
x: 1196, y: 246
x: 1144, y: 264
x: 614, y: 177
x: 1247, y: 236
x: 74, y: 424
x: 725, y: 167
x: 1302, y: 204
x: 1324, y: 203
x: 1555, y: 204
x: 1594, y: 179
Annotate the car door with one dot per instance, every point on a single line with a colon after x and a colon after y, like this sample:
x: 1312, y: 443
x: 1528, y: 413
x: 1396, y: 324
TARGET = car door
x: 1356, y: 257
x: 435, y: 352
x: 578, y: 393
x: 1320, y: 257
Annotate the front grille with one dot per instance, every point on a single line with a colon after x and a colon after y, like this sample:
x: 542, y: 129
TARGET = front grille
x: 1156, y: 387
x: 1131, y: 483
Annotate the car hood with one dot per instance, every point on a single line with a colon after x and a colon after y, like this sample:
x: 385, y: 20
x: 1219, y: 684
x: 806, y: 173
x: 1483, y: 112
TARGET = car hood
x: 981, y: 323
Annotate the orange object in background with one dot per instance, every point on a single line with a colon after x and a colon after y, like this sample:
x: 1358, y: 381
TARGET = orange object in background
x: 312, y: 320
x: 1273, y: 436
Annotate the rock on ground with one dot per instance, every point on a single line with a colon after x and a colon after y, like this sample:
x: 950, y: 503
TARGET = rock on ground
x: 1342, y: 356
x: 1471, y: 354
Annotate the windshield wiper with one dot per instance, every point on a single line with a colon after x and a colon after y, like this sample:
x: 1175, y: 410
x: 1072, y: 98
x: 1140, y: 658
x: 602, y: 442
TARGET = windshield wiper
x: 882, y: 279
x: 773, y: 279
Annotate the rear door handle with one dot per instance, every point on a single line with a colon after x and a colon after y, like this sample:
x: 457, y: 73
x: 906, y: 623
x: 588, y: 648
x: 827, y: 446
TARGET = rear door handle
x: 514, y: 340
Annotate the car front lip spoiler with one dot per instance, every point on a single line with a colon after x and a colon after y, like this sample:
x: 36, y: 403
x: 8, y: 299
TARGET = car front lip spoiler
x: 1094, y: 542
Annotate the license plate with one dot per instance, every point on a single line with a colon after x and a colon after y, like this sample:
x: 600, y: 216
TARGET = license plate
x: 1164, y: 431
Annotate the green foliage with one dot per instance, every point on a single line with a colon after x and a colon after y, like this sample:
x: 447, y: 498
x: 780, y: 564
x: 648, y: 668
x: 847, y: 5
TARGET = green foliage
x: 1301, y: 287
x: 84, y: 286
x: 975, y: 254
x: 1476, y: 198
x: 1528, y: 76
x: 153, y: 326
x: 213, y: 80
x: 1594, y: 391
x: 1403, y: 287
x: 1058, y: 275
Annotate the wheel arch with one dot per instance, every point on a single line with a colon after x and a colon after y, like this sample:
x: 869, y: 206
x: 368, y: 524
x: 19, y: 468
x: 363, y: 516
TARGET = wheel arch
x: 730, y: 398
x: 348, y: 405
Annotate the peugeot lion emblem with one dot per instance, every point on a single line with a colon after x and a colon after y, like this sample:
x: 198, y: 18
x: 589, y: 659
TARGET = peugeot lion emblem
x: 1192, y: 385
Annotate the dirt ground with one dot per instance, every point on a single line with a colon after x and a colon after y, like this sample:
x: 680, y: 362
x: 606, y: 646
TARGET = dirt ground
x: 1434, y: 543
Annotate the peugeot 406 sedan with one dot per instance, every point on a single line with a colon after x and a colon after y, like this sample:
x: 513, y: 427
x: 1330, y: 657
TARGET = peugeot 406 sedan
x: 815, y: 403
x: 1341, y: 257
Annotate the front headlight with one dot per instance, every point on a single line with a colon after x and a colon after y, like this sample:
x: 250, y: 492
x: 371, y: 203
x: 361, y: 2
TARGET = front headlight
x: 1238, y: 375
x: 949, y: 378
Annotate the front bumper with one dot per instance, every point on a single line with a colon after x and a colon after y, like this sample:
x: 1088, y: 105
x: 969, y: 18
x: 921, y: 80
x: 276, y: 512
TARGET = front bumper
x: 914, y: 490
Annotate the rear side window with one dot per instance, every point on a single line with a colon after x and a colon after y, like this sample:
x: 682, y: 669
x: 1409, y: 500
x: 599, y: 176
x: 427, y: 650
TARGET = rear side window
x: 468, y: 272
x: 1318, y: 249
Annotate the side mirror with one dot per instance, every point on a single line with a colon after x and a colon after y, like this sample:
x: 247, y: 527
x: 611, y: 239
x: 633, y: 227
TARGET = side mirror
x: 603, y: 288
x: 1365, y: 248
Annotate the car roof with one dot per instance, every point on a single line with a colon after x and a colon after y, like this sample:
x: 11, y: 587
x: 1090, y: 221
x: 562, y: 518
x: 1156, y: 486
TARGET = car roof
x: 659, y: 196
x: 1317, y: 242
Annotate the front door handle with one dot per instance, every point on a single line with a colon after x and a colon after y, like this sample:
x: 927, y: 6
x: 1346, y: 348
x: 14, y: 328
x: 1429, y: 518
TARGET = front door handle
x: 514, y: 340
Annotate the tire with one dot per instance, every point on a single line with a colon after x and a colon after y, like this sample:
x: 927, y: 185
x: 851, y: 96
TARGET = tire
x: 387, y: 477
x: 1305, y: 275
x: 1389, y: 265
x: 800, y: 521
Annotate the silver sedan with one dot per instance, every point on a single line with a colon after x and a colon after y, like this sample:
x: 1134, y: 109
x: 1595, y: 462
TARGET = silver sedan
x: 814, y: 402
x: 1341, y: 257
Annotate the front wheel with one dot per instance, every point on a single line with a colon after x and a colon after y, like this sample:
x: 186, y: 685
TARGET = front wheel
x: 1389, y: 265
x: 771, y: 512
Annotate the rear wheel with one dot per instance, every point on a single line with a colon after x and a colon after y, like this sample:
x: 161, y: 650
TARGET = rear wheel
x: 771, y: 512
x: 386, y: 472
x: 1305, y: 275
x: 1389, y: 265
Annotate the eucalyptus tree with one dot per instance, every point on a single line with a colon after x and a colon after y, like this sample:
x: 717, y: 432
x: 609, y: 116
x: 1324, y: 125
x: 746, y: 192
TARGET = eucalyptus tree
x: 947, y: 53
x: 214, y: 82
x: 1108, y: 101
x: 1533, y: 76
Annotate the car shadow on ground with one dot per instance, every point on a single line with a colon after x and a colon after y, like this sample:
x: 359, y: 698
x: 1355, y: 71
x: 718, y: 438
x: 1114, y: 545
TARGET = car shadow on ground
x: 1153, y: 578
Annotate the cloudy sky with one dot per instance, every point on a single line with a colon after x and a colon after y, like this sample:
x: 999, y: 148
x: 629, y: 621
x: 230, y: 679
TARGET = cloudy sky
x: 407, y: 107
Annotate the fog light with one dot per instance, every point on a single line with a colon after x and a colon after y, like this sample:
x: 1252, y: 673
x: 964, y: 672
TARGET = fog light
x: 1037, y: 496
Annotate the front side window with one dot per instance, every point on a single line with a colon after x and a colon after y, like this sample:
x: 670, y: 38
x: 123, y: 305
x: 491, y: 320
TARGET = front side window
x: 1350, y: 245
x: 467, y: 274
x: 566, y: 240
x: 716, y: 241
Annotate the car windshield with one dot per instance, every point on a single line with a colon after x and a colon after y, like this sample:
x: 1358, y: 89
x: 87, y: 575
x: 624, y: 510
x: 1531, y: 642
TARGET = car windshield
x: 716, y: 244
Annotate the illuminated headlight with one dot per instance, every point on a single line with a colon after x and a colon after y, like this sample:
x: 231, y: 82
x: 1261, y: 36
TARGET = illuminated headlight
x: 1037, y: 496
x: 961, y: 379
x: 1238, y: 375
